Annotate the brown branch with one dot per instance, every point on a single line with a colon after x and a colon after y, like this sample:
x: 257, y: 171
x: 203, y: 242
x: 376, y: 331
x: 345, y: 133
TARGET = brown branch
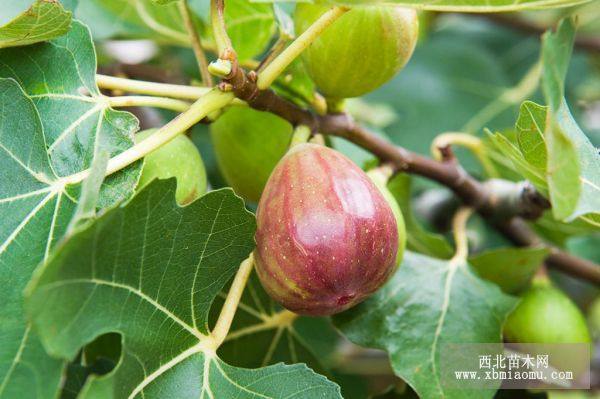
x: 505, y: 205
x: 587, y: 43
x: 520, y: 234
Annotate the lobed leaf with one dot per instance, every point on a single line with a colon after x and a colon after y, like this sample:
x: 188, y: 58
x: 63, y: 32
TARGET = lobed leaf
x: 428, y: 303
x: 59, y: 76
x: 43, y: 20
x: 150, y: 271
x: 36, y: 209
x: 49, y: 129
x: 573, y: 166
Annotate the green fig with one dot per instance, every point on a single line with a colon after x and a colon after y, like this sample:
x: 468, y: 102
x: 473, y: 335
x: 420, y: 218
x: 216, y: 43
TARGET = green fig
x: 546, y: 315
x: 248, y: 144
x: 361, y: 50
x: 180, y: 159
x: 380, y: 180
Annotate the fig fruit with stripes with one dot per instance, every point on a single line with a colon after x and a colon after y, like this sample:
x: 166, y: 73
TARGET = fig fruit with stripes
x: 361, y: 50
x: 326, y: 237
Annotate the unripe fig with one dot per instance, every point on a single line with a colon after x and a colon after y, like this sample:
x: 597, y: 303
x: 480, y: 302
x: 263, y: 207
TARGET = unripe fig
x: 248, y: 144
x: 326, y: 237
x: 380, y: 180
x: 361, y: 50
x: 180, y: 159
x: 546, y: 315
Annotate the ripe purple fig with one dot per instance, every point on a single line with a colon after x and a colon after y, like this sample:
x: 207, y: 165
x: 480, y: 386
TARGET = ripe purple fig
x: 326, y: 237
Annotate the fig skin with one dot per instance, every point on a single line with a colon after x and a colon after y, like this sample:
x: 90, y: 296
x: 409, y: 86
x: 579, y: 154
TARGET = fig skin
x: 380, y: 181
x: 326, y: 237
x: 546, y: 315
x: 248, y: 144
x: 361, y: 50
x: 178, y: 158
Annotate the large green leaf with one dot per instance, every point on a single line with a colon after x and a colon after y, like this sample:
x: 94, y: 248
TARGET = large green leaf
x: 250, y: 25
x: 471, y: 5
x: 150, y: 271
x: 36, y: 205
x: 43, y: 20
x: 60, y: 78
x: 427, y: 304
x: 36, y: 208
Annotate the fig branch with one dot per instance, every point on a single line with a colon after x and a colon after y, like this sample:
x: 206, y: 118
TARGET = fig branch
x: 505, y: 205
x: 211, y: 101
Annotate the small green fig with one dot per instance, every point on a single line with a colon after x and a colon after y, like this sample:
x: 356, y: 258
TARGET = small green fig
x: 326, y: 238
x: 180, y: 159
x: 380, y: 180
x: 361, y: 50
x: 546, y: 315
x: 248, y: 144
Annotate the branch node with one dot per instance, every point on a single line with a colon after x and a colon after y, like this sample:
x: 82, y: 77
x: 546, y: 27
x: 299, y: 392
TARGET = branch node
x: 447, y: 154
x: 225, y: 87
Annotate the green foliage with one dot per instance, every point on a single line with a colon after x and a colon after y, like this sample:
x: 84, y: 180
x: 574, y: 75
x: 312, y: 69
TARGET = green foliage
x: 264, y: 333
x: 98, y: 283
x: 76, y: 126
x: 422, y: 307
x: 43, y: 20
x: 109, y: 295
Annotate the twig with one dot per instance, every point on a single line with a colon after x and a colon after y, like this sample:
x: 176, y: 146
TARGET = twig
x: 520, y: 234
x: 587, y: 43
x: 151, y: 88
x: 196, y: 43
x: 217, y: 17
x: 505, y: 208
x: 208, y: 103
x: 148, y: 101
x: 278, y: 65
